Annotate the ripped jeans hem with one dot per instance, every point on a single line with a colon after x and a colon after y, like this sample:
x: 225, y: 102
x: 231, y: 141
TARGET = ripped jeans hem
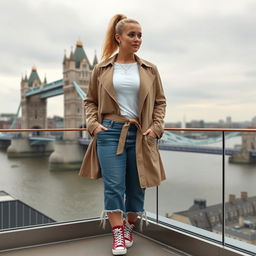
x: 142, y: 216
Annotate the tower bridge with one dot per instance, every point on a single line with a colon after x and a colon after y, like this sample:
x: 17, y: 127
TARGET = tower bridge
x: 34, y: 94
x: 74, y: 86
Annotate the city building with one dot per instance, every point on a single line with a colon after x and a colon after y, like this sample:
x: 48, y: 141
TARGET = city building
x: 240, y: 217
x: 16, y: 214
x: 253, y: 123
x: 6, y: 120
x: 229, y: 122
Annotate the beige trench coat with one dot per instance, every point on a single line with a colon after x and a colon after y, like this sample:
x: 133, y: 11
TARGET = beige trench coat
x: 101, y: 100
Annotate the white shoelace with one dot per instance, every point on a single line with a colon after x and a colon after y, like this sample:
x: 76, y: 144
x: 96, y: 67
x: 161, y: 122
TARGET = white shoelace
x: 128, y: 229
x: 118, y: 237
x: 143, y: 215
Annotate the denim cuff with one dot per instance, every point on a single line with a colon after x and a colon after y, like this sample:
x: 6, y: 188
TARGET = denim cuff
x: 104, y: 215
x: 141, y: 215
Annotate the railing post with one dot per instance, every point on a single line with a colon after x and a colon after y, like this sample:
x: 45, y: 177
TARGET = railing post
x: 223, y: 188
x: 156, y: 204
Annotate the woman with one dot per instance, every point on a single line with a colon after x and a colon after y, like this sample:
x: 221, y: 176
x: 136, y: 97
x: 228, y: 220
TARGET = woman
x: 125, y: 109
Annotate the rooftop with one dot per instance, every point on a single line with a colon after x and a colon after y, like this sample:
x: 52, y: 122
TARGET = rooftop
x: 86, y: 237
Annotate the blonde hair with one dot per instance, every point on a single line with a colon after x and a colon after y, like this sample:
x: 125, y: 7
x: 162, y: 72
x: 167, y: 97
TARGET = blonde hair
x: 116, y: 26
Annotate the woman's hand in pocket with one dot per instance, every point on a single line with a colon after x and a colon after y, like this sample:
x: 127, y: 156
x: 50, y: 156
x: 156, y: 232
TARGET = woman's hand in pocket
x: 99, y: 129
x: 150, y: 132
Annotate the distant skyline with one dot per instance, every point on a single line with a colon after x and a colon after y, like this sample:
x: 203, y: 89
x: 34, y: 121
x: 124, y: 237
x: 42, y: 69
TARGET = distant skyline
x: 8, y: 115
x: 205, y: 50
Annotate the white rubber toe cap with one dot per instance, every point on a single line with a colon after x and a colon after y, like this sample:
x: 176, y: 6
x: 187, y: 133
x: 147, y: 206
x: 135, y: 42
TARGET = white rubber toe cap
x: 119, y: 251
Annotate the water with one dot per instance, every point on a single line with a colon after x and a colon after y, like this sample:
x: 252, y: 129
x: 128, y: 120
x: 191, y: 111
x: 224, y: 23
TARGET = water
x: 65, y: 196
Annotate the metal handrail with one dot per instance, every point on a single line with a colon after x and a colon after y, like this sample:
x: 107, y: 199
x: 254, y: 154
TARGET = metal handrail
x: 166, y: 129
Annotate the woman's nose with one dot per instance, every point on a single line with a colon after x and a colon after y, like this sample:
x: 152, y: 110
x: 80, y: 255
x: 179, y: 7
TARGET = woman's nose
x: 137, y: 38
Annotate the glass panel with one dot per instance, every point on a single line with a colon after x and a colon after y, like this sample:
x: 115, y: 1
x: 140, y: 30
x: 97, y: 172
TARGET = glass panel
x: 38, y: 186
x: 240, y: 207
x: 150, y: 202
x: 191, y: 197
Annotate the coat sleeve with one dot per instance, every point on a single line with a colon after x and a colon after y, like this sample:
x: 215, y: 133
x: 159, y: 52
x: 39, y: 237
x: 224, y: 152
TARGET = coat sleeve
x: 159, y: 107
x: 91, y: 102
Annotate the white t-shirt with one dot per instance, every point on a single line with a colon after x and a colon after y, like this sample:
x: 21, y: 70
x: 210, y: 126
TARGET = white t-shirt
x: 126, y: 81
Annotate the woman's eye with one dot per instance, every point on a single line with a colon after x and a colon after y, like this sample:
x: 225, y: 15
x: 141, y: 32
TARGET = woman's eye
x: 134, y: 34
x: 131, y: 34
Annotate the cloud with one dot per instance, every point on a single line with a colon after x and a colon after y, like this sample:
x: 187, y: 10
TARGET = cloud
x: 37, y: 34
x: 205, y: 50
x: 250, y: 73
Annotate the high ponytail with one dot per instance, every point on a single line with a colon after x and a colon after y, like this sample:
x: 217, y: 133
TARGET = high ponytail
x: 115, y: 26
x: 110, y: 45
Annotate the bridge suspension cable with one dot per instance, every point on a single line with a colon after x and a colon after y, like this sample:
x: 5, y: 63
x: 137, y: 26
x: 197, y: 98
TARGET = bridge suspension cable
x: 79, y: 90
x: 15, y: 118
x: 175, y: 139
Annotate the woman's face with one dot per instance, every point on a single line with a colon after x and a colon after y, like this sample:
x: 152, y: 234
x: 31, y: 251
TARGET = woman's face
x: 130, y: 40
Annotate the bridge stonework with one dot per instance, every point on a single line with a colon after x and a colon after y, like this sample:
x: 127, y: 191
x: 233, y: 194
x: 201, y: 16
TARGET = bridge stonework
x: 34, y: 109
x: 75, y: 68
x: 247, y: 152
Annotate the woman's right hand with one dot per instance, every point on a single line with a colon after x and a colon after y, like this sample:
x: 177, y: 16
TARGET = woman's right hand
x: 99, y: 129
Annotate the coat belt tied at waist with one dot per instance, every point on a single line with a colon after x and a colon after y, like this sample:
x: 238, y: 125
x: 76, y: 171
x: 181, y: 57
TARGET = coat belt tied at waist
x: 127, y: 122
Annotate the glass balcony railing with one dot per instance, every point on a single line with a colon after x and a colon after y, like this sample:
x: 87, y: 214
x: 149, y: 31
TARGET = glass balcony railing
x: 39, y: 180
x: 194, y: 183
x: 209, y: 191
x: 210, y: 186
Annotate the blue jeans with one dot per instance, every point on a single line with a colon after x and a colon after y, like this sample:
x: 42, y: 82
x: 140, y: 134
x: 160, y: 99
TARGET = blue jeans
x: 122, y: 191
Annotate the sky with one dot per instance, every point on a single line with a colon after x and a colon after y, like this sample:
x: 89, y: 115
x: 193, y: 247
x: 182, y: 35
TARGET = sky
x: 205, y: 50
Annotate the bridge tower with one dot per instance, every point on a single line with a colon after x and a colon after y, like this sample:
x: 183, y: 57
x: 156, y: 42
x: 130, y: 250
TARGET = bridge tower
x: 75, y: 68
x: 33, y: 108
x: 33, y: 115
x: 247, y: 154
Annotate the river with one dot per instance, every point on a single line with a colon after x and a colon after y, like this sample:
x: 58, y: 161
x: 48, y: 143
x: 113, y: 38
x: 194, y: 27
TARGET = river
x: 65, y: 196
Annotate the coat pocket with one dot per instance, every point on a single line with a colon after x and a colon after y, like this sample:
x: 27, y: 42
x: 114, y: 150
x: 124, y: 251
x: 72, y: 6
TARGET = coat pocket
x: 150, y: 144
x: 151, y: 140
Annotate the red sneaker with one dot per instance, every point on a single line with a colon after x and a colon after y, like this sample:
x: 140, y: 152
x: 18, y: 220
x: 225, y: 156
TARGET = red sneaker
x: 128, y: 228
x: 118, y: 246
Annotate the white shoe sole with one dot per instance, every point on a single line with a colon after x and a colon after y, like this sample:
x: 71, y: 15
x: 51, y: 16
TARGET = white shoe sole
x: 119, y: 251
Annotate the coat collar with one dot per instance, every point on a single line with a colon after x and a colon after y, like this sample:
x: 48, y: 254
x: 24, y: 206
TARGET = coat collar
x: 111, y: 60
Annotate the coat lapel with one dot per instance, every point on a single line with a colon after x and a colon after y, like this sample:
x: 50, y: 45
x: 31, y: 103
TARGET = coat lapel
x: 106, y: 79
x: 146, y: 81
x: 107, y: 82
